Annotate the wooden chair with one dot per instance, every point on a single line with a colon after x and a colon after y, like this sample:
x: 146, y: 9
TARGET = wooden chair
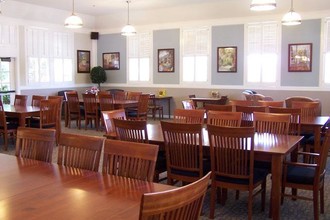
x: 189, y: 116
x: 36, y: 100
x: 108, y: 117
x: 271, y: 123
x: 270, y: 103
x: 59, y: 100
x: 7, y: 129
x: 74, y: 111
x: 130, y: 159
x: 35, y: 143
x: 308, y: 176
x: 48, y: 114
x: 308, y: 109
x: 106, y: 103
x: 119, y: 95
x: 241, y: 102
x: 185, y: 202
x: 153, y: 107
x: 91, y: 110
x: 188, y: 104
x: 80, y: 151
x: 134, y: 131
x: 214, y: 107
x: 232, y: 163
x: 295, y: 116
x: 20, y: 100
x: 133, y: 95
x: 219, y: 118
x: 290, y: 100
x: 141, y: 112
x: 247, y: 113
x: 181, y: 140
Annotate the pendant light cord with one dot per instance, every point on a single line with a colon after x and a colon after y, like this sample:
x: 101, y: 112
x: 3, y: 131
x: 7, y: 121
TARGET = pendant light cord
x: 128, y: 11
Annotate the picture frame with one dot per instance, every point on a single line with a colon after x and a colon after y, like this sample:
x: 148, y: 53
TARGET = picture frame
x: 227, y: 59
x: 300, y: 57
x: 166, y: 61
x: 111, y: 61
x: 83, y: 61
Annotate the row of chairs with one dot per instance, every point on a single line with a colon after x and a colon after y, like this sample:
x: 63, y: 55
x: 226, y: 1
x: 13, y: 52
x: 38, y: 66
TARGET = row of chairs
x: 133, y: 160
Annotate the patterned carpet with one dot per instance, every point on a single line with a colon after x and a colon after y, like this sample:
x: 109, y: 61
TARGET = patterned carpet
x: 233, y: 209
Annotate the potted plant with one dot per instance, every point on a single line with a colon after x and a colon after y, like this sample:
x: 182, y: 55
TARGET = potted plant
x: 98, y: 76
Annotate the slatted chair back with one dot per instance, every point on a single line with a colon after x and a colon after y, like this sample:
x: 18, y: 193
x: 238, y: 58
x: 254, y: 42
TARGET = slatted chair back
x: 20, y: 100
x: 214, y: 107
x: 7, y: 129
x: 180, y: 141
x: 308, y: 109
x: 220, y: 118
x: 189, y: 116
x: 271, y: 103
x: 48, y: 113
x: 133, y: 131
x: 119, y: 95
x: 272, y: 123
x: 35, y: 143
x: 91, y: 110
x: 141, y: 112
x: 188, y: 104
x: 295, y: 116
x: 185, y: 202
x: 130, y: 159
x: 106, y: 102
x: 232, y: 163
x: 247, y: 113
x: 108, y: 117
x: 80, y: 151
x: 74, y: 111
x: 133, y: 95
x: 36, y: 100
x: 241, y: 102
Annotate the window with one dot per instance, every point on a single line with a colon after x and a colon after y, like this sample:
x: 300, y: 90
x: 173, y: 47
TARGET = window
x: 5, y: 74
x: 49, y: 56
x: 326, y: 55
x: 195, y: 55
x: 139, y: 57
x: 262, y: 53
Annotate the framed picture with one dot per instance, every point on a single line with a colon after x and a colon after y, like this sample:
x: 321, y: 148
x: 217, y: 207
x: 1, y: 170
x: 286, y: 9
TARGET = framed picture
x: 111, y: 61
x: 166, y: 60
x: 227, y: 59
x: 83, y: 61
x: 300, y: 57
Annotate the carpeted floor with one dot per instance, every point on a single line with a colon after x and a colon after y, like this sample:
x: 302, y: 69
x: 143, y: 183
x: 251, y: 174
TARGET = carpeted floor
x: 233, y: 209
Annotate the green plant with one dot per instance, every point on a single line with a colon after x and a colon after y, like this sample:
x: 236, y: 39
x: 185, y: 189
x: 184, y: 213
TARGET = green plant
x: 98, y: 75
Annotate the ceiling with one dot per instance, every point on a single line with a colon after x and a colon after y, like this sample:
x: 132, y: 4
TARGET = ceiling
x: 104, y: 7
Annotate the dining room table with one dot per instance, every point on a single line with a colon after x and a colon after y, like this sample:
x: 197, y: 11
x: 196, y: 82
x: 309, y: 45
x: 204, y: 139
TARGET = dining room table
x: 209, y: 100
x: 32, y: 189
x: 272, y: 147
x: 21, y: 112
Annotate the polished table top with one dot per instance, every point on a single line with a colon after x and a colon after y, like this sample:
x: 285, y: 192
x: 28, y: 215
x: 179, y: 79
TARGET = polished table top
x: 39, y: 190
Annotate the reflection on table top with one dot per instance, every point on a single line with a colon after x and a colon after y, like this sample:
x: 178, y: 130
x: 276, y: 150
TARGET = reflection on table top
x: 42, y: 190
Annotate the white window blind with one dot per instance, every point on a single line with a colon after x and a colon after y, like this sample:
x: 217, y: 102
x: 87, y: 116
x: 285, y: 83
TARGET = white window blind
x: 195, y: 54
x: 262, y: 52
x: 49, y: 56
x: 327, y: 52
x: 139, y: 57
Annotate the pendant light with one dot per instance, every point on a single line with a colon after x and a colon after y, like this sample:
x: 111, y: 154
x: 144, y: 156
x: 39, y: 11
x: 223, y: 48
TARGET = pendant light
x: 291, y: 18
x: 128, y: 30
x: 262, y: 5
x: 73, y: 21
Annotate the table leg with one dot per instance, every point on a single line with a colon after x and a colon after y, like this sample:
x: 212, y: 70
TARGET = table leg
x: 317, y: 138
x: 277, y: 161
x: 21, y: 120
x: 169, y: 107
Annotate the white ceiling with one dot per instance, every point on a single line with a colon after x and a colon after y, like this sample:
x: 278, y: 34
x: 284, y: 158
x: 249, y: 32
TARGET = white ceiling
x: 104, y: 7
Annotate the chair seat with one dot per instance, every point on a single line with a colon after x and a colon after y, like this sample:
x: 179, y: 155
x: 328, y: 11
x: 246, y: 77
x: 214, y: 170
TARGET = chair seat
x: 206, y: 169
x: 258, y: 175
x: 300, y: 175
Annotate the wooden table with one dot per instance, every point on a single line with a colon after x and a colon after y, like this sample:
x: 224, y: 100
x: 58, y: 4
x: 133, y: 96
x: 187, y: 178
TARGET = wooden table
x: 165, y: 98
x: 315, y: 124
x: 39, y: 190
x: 21, y: 112
x: 208, y: 100
x: 274, y: 147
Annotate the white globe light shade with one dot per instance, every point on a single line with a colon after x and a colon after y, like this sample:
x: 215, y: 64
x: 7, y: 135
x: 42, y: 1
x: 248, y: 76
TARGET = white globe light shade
x: 73, y: 22
x: 291, y: 18
x: 128, y: 30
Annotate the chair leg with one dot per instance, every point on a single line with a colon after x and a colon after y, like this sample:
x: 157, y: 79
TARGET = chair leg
x: 263, y: 195
x: 250, y: 198
x: 212, y: 200
x: 322, y: 198
x: 316, y: 203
